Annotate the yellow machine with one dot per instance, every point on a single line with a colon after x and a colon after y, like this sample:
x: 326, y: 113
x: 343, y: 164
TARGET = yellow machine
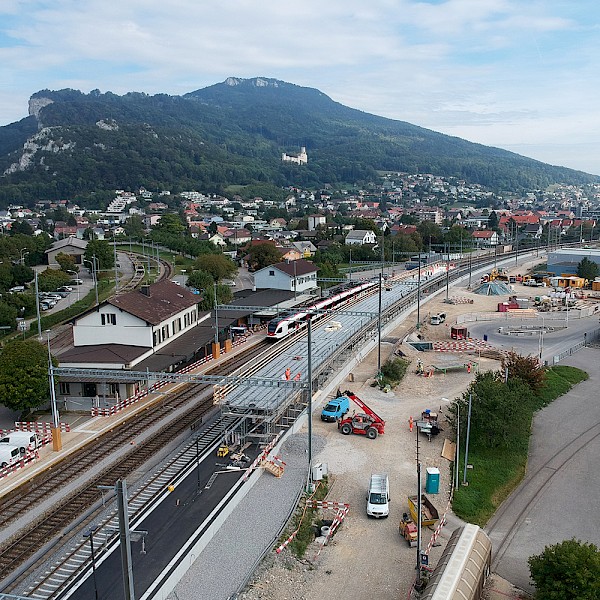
x: 223, y: 450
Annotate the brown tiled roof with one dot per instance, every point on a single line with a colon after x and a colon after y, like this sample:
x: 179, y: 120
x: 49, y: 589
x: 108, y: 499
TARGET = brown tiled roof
x: 302, y: 267
x: 166, y: 299
x: 107, y: 353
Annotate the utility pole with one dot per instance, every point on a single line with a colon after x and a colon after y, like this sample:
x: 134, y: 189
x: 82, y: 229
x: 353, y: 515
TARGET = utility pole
x: 379, y: 333
x: 456, y: 466
x: 418, y: 294
x: 216, y: 314
x: 124, y: 536
x: 116, y: 268
x: 447, y: 272
x: 309, y: 403
x: 467, y: 440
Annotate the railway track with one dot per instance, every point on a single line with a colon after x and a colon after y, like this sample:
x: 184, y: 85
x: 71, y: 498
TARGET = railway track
x: 12, y: 506
x: 24, y: 545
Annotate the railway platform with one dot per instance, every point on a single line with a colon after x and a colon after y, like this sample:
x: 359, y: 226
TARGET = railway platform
x: 84, y: 428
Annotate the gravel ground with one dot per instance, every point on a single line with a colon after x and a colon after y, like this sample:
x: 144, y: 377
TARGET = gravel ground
x: 368, y: 558
x: 231, y: 555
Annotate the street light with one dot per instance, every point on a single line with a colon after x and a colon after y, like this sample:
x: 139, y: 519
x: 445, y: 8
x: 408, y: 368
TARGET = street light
x: 94, y: 266
x: 24, y: 253
x: 89, y: 533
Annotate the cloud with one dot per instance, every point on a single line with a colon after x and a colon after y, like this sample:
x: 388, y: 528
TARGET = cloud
x: 460, y: 65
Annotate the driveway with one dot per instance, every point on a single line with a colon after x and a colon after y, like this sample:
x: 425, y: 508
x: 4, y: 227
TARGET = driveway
x: 560, y: 497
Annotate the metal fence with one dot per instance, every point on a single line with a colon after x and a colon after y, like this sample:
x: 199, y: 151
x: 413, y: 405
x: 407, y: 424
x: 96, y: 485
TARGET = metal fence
x: 589, y: 337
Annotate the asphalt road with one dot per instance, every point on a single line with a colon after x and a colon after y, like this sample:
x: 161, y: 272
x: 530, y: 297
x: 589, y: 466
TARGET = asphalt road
x: 559, y: 498
x: 170, y: 526
x: 565, y: 334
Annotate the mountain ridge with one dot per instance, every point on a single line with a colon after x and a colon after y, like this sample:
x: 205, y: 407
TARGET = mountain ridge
x: 233, y: 133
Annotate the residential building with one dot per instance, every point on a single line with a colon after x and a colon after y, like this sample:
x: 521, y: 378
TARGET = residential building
x: 296, y: 276
x: 71, y: 246
x: 361, y: 237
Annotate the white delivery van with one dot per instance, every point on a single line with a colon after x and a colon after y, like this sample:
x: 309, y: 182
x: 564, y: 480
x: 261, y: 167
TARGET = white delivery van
x: 8, y: 455
x: 25, y: 440
x: 378, y: 497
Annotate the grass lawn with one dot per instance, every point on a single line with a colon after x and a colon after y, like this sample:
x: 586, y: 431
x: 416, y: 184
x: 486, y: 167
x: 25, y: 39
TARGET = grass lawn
x: 498, y: 471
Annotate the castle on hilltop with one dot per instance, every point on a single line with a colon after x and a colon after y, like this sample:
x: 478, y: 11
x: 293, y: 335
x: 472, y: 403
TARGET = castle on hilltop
x: 299, y: 159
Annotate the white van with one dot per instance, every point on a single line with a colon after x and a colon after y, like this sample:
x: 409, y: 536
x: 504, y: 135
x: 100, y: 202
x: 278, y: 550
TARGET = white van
x: 24, y: 440
x: 378, y: 497
x: 8, y: 455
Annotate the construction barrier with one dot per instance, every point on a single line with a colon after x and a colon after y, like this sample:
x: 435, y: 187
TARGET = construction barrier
x: 40, y: 426
x: 262, y: 456
x: 19, y: 464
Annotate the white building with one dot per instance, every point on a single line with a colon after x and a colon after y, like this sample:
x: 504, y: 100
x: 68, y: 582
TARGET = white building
x: 296, y: 276
x: 360, y: 237
x: 315, y: 220
x: 298, y: 159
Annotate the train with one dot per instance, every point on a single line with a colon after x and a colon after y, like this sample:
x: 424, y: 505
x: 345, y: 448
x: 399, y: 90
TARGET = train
x: 463, y: 568
x: 290, y: 323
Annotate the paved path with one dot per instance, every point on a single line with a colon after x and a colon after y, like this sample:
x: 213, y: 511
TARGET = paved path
x: 560, y: 497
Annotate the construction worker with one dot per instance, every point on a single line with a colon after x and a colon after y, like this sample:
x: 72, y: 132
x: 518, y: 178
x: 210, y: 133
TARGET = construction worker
x: 288, y: 374
x: 410, y: 423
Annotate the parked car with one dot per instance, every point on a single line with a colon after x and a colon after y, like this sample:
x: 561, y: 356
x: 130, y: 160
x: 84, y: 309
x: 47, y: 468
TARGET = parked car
x: 76, y: 282
x: 62, y: 294
x: 17, y: 289
x: 65, y: 288
x: 8, y: 455
x: 24, y: 440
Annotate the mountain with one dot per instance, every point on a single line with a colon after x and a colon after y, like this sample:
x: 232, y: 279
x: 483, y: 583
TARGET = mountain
x: 233, y: 133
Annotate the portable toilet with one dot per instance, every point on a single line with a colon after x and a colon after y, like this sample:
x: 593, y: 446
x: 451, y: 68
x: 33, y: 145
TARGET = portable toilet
x: 432, y: 481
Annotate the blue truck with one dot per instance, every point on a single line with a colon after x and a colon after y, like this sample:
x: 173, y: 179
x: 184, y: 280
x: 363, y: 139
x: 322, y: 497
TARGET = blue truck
x: 335, y: 409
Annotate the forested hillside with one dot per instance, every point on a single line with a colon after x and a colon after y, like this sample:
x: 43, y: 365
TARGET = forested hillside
x: 233, y: 133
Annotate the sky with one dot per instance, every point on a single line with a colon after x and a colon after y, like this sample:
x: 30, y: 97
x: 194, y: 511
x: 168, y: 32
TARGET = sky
x: 523, y: 75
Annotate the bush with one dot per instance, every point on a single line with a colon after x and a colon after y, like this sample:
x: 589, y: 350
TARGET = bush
x: 393, y: 371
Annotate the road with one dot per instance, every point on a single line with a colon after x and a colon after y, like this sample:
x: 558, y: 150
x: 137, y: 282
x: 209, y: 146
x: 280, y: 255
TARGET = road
x: 560, y: 496
x: 564, y: 335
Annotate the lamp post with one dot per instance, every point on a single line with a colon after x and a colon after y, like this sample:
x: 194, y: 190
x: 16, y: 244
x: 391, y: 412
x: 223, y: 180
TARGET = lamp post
x: 467, y: 441
x: 94, y: 274
x: 89, y: 533
x: 37, y: 307
x: 56, y: 433
x: 24, y: 253
x: 216, y: 314
x: 419, y: 293
x: 379, y: 332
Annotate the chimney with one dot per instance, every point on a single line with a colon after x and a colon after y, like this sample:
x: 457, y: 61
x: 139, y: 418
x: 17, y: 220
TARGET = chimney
x: 145, y: 289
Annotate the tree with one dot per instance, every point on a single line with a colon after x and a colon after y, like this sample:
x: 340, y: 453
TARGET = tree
x: 493, y: 220
x: 24, y: 374
x: 263, y: 255
x: 21, y: 274
x: 170, y: 224
x: 570, y: 569
x: 8, y: 315
x: 525, y: 368
x: 588, y: 269
x: 134, y: 227
x: 203, y: 281
x: 50, y: 279
x: 218, y: 265
x: 498, y: 410
x: 66, y: 262
x: 21, y: 227
x: 103, y: 252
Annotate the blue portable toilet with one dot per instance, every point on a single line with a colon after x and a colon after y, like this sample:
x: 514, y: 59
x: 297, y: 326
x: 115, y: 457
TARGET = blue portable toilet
x: 432, y: 481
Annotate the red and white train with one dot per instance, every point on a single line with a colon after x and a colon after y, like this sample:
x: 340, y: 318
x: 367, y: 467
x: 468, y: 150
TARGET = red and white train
x: 285, y: 325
